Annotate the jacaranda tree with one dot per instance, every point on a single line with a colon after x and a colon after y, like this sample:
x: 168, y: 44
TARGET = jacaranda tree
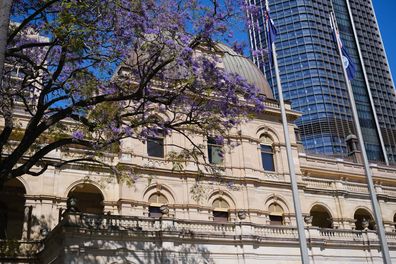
x: 91, y: 73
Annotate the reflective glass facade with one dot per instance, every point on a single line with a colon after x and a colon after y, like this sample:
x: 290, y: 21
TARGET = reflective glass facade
x: 312, y: 76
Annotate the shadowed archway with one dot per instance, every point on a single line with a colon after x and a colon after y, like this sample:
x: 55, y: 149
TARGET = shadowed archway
x: 89, y: 198
x: 321, y: 217
x: 363, y: 217
x: 12, y: 208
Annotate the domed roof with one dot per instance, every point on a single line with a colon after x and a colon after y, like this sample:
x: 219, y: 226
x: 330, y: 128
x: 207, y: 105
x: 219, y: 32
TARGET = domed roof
x: 233, y: 63
x: 236, y: 63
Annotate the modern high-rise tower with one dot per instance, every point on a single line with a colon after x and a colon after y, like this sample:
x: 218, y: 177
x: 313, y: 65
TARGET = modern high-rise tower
x: 312, y: 75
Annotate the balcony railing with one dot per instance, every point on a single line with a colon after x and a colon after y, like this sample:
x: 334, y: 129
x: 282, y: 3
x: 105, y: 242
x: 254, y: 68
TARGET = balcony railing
x: 18, y: 249
x: 352, y: 187
x: 209, y: 229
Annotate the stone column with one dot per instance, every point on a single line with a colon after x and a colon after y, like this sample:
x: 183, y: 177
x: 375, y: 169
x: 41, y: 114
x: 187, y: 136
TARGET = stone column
x: 27, y: 222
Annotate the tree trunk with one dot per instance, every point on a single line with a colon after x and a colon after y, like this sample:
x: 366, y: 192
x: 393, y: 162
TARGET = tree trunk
x: 5, y: 9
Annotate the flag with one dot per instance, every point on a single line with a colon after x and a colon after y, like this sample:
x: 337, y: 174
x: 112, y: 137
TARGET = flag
x: 271, y: 33
x: 347, y: 62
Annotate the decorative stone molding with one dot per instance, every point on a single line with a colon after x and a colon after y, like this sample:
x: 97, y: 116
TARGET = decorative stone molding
x: 242, y: 215
x: 71, y: 204
x: 164, y: 209
x: 273, y: 176
x: 308, y: 220
x: 365, y: 224
x: 151, y: 163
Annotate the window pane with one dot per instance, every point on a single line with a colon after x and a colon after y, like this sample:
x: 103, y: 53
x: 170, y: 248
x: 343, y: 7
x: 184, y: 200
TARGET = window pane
x: 155, y: 211
x: 220, y: 203
x: 265, y: 148
x: 268, y: 161
x: 275, y: 209
x: 215, y: 154
x: 219, y: 216
x: 215, y: 151
x: 158, y: 198
x: 211, y: 141
x: 155, y: 147
x: 266, y: 140
x: 162, y: 199
x: 267, y: 157
x: 276, y: 220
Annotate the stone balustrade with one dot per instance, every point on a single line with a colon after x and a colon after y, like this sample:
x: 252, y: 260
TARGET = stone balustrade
x: 349, y: 235
x: 15, y: 251
x: 227, y: 230
x: 355, y: 187
x: 389, y: 191
x: 318, y: 183
x: 275, y: 231
x: 273, y: 104
x: 337, y: 185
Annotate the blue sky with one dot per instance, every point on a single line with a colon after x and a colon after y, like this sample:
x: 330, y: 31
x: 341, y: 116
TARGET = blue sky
x: 385, y: 11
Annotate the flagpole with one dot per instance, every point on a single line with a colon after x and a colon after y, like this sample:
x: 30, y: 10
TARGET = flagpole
x: 377, y: 125
x: 373, y: 196
x: 293, y: 178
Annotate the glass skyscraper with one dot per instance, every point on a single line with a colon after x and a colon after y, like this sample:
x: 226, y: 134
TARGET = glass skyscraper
x: 312, y: 75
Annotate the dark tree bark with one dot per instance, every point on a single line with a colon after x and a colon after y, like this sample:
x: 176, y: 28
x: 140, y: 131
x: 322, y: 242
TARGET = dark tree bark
x: 5, y: 9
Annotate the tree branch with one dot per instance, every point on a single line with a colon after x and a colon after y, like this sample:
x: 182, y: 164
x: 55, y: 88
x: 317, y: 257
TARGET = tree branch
x: 43, y: 169
x: 29, y: 19
x: 25, y: 168
x: 7, y: 109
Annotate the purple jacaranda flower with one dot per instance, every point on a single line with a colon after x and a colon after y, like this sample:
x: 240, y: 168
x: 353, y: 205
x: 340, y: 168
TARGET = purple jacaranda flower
x: 219, y: 140
x: 78, y: 135
x: 128, y: 131
x: 170, y: 42
x: 156, y: 43
x: 230, y: 184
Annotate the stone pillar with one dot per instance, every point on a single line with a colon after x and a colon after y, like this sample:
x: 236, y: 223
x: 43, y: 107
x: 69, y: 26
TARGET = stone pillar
x: 44, y: 215
x: 340, y: 205
x: 27, y: 223
x: 34, y: 228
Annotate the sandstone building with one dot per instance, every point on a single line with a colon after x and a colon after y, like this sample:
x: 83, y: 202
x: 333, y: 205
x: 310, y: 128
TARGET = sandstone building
x: 80, y: 214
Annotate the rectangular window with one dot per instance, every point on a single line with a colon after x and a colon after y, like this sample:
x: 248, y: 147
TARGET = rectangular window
x: 276, y: 220
x: 215, y: 151
x: 220, y: 216
x: 155, y: 147
x: 267, y: 158
x: 155, y: 212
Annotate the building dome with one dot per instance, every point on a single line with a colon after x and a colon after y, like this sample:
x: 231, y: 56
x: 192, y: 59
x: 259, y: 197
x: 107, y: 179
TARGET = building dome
x: 233, y: 62
x: 236, y: 63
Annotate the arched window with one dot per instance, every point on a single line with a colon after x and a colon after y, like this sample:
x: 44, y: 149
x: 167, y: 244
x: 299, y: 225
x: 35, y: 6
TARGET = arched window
x: 267, y: 153
x: 220, y: 210
x: 156, y: 200
x: 321, y: 217
x: 363, y: 219
x: 12, y: 207
x: 89, y: 198
x: 275, y: 214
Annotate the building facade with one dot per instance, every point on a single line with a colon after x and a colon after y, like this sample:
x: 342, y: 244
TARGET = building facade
x: 81, y: 214
x: 312, y: 75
